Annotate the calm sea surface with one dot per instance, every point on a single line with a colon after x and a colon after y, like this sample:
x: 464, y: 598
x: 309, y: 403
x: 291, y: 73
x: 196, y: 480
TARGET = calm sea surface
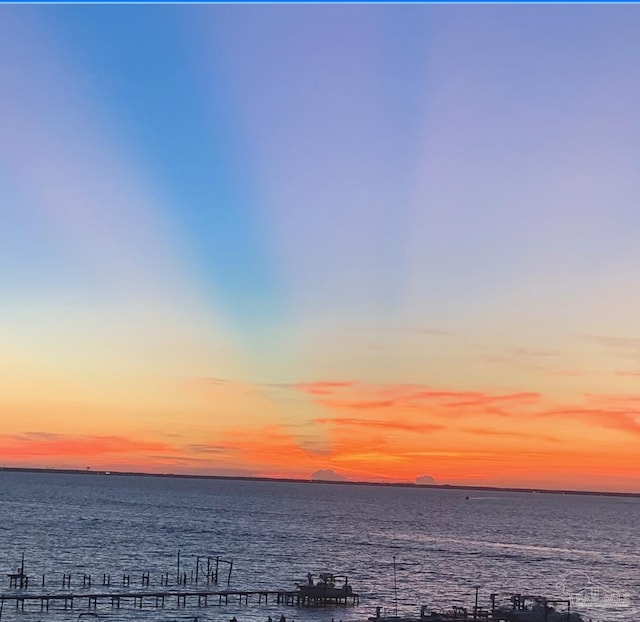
x: 275, y: 533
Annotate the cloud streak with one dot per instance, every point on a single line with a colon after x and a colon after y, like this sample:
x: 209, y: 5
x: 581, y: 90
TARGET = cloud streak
x: 361, y: 396
x: 66, y: 446
x: 392, y: 426
x: 515, y: 435
x: 627, y: 421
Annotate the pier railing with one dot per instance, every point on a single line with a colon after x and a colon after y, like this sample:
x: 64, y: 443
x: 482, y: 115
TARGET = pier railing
x: 194, y: 587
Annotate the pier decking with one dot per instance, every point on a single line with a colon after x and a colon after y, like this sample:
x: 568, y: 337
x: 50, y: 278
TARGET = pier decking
x: 198, y: 587
x: 138, y: 599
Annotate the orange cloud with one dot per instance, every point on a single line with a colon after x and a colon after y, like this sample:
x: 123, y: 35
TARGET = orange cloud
x: 576, y: 373
x: 361, y: 396
x: 272, y: 450
x: 620, y: 400
x: 407, y: 429
x: 378, y: 432
x: 405, y: 426
x: 323, y: 387
x: 519, y: 435
x: 611, y: 419
x: 45, y: 445
x: 611, y: 411
x: 631, y: 374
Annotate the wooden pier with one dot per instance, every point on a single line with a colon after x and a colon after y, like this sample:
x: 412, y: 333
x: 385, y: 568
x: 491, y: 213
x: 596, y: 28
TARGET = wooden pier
x: 139, y: 599
x: 198, y: 587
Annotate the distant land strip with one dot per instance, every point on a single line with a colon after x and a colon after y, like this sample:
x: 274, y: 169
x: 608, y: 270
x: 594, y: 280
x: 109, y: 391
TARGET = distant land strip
x: 549, y: 491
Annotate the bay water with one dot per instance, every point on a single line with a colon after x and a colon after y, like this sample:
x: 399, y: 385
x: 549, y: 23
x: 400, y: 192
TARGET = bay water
x: 445, y: 543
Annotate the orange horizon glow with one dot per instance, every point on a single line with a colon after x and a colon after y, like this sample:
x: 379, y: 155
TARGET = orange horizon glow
x: 369, y: 432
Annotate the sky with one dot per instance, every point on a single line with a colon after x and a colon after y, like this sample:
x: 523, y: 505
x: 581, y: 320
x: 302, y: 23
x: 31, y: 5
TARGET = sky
x: 376, y: 241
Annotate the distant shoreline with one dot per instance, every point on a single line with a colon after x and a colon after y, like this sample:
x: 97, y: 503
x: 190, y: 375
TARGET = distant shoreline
x: 550, y: 491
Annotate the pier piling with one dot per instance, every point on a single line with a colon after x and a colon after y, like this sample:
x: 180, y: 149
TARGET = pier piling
x: 189, y: 589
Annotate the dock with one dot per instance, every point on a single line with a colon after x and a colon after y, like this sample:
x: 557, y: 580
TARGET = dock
x: 139, y: 599
x: 199, y: 587
x: 196, y: 588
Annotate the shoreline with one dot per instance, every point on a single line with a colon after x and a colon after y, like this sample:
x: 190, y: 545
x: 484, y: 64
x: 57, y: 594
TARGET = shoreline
x: 89, y: 472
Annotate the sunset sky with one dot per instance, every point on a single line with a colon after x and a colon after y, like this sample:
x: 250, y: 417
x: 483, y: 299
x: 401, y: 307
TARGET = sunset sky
x: 386, y: 241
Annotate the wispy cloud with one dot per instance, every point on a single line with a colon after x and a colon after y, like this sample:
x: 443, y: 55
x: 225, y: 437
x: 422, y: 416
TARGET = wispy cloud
x: 324, y: 387
x: 208, y: 385
x: 571, y: 373
x: 626, y: 347
x: 67, y: 446
x: 616, y: 342
x: 531, y: 359
x: 274, y: 448
x: 204, y: 448
x: 519, y: 435
x: 433, y: 332
x: 362, y: 396
x: 393, y: 425
x: 621, y: 400
x: 613, y: 419
x: 532, y: 352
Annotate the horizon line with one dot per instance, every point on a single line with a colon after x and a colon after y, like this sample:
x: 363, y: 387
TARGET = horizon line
x: 88, y: 471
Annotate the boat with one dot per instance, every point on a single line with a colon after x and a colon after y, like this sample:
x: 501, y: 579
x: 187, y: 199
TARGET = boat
x: 326, y: 586
x: 512, y: 608
x: 523, y: 608
x: 426, y: 615
x: 326, y: 589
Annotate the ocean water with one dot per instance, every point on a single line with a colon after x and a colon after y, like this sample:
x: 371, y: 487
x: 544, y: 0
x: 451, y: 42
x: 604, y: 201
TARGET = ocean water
x: 444, y: 545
